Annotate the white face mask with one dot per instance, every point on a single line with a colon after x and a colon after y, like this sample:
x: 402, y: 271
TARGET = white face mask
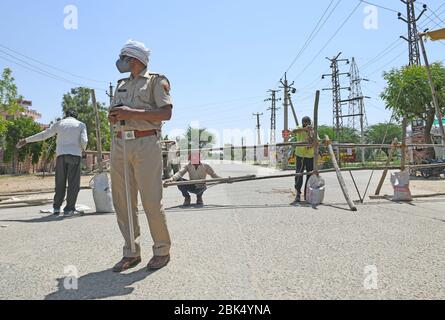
x: 123, y: 65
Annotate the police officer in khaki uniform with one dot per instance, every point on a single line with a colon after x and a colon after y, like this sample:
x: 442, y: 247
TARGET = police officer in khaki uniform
x: 143, y: 102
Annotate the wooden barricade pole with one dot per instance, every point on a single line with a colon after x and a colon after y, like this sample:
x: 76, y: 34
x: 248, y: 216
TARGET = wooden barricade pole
x: 316, y: 148
x: 388, y: 162
x: 98, y: 135
x: 339, y: 175
x: 404, y: 125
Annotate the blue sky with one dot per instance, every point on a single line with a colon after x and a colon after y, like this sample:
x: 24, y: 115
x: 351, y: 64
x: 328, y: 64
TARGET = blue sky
x: 220, y: 56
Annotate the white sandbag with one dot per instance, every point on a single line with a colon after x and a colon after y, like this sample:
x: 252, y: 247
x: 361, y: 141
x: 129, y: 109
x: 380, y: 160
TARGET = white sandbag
x: 315, y: 190
x: 102, y: 193
x: 400, y: 184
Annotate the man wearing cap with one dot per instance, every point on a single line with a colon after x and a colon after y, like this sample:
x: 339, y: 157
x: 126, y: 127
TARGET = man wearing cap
x: 71, y: 139
x: 143, y: 101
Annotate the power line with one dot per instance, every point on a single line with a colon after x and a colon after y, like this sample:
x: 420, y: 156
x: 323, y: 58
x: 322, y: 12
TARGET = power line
x: 390, y: 48
x: 379, y: 6
x: 434, y: 13
x: 222, y: 102
x: 383, y: 53
x: 44, y: 73
x: 314, y: 32
x: 330, y: 39
x: 387, y: 64
x: 52, y: 67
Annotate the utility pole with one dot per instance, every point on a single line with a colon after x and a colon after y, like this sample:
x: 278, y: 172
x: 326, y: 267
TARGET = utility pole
x: 286, y: 92
x: 258, y: 127
x: 273, y: 115
x: 285, y: 105
x: 413, y: 49
x: 110, y: 93
x: 336, y: 95
x: 288, y: 88
x: 292, y: 107
x: 411, y: 21
x: 357, y: 113
x: 258, y: 143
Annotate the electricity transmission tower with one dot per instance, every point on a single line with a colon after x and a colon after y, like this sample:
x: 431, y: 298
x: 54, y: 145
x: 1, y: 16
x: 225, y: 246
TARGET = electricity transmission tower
x: 357, y: 113
x: 273, y: 115
x: 336, y: 94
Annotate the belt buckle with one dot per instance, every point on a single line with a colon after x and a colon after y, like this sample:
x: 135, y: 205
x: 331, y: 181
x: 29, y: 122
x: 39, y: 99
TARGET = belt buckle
x: 129, y: 135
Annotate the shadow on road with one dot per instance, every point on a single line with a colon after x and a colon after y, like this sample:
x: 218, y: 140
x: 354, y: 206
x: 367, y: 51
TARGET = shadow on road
x: 230, y: 207
x: 53, y: 218
x: 99, y: 285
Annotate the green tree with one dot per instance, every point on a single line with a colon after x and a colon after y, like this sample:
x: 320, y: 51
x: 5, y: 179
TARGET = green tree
x: 9, y: 98
x: 348, y: 135
x: 408, y: 94
x: 18, y: 129
x: 80, y: 100
x: 196, y: 138
x: 383, y: 133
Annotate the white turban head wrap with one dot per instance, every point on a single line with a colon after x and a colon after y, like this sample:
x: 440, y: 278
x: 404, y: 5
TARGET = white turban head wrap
x: 136, y: 50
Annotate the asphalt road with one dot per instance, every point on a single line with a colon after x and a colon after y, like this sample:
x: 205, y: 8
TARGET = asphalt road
x: 246, y: 243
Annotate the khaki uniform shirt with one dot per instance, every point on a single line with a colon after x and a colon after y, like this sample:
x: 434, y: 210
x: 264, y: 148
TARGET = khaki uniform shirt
x: 150, y: 91
x: 196, y: 174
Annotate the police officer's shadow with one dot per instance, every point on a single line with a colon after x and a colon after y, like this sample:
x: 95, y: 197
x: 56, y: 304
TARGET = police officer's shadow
x: 54, y: 218
x: 98, y: 285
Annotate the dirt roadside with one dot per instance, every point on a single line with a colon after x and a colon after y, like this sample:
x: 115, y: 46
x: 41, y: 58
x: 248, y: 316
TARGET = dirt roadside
x: 25, y: 183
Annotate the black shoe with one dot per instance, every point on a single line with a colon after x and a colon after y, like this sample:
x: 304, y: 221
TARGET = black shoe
x: 199, y: 201
x: 126, y: 263
x: 187, y: 202
x: 297, y: 200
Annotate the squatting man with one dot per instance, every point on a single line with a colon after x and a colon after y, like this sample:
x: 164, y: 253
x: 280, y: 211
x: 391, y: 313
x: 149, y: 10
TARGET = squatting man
x: 197, y: 171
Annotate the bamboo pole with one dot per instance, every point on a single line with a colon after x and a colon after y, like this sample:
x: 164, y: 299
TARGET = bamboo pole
x: 385, y: 172
x: 431, y: 195
x: 356, y: 187
x: 98, y: 136
x: 317, y: 101
x: 433, y: 89
x: 404, y: 125
x: 291, y: 175
x: 340, y: 177
x: 211, y: 181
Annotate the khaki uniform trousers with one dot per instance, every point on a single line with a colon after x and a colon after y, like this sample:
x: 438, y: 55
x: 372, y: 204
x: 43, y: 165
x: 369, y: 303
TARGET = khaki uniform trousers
x: 145, y: 173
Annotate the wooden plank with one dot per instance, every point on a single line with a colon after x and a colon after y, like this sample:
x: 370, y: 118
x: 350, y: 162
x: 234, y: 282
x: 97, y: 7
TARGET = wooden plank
x: 404, y: 125
x: 340, y: 177
x: 385, y: 172
x: 98, y: 135
x: 316, y: 148
x: 211, y: 181
x: 431, y: 195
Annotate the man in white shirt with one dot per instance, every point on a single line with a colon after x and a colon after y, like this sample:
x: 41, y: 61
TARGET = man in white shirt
x: 71, y: 140
x: 197, y: 171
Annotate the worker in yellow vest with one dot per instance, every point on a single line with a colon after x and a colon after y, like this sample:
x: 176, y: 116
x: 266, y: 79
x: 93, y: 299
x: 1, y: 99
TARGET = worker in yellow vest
x: 304, y: 155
